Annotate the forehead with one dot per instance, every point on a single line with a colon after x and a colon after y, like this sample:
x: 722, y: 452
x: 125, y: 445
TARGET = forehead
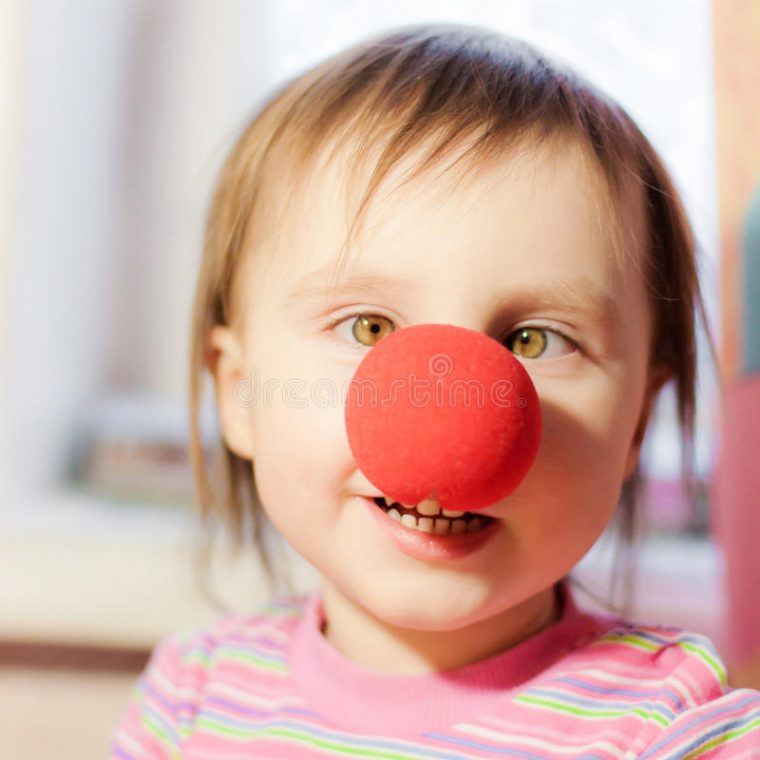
x: 544, y: 206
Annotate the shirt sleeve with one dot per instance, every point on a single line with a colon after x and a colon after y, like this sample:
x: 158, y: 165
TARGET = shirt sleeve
x: 708, y: 718
x: 726, y: 727
x: 163, y: 703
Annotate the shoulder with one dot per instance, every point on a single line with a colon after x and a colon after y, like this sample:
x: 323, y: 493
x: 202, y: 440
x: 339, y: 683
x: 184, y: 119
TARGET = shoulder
x: 201, y: 648
x: 654, y: 671
x: 666, y: 652
x: 727, y: 726
x: 674, y: 682
x: 186, y: 668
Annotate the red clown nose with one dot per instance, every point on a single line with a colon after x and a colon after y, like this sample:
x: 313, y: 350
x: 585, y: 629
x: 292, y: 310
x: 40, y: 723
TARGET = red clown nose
x: 441, y: 412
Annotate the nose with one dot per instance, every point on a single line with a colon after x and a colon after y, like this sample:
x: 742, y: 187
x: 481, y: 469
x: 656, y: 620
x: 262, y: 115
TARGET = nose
x: 438, y: 411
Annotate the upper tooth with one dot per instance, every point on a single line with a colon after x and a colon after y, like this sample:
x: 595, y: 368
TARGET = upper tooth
x: 390, y: 502
x: 429, y: 507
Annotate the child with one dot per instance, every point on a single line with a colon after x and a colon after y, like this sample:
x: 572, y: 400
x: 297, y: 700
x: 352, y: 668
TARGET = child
x: 438, y: 174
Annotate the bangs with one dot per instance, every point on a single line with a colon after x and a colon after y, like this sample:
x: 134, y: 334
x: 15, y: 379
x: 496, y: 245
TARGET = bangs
x: 446, y: 99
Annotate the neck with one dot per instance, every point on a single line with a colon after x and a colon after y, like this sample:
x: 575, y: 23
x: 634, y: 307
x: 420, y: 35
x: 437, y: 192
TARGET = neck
x: 378, y: 646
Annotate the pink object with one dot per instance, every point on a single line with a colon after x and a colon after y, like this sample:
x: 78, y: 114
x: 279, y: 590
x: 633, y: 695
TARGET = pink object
x: 268, y: 684
x: 441, y: 412
x: 736, y: 513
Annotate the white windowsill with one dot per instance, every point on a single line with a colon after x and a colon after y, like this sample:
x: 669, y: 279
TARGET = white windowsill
x: 78, y: 570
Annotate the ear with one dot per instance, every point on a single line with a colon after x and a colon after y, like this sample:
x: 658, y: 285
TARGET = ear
x: 658, y: 376
x: 224, y: 360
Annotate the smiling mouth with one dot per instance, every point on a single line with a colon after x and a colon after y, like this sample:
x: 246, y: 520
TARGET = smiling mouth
x: 428, y: 517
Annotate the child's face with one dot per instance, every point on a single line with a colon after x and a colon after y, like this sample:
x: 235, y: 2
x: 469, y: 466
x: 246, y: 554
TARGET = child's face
x: 489, y: 255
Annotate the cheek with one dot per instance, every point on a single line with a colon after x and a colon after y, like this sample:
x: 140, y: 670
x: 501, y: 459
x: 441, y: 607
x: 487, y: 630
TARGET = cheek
x: 302, y: 455
x: 301, y: 475
x: 578, y: 471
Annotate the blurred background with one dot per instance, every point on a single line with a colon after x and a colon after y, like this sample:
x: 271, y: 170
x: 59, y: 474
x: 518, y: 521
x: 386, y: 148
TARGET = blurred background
x: 114, y: 118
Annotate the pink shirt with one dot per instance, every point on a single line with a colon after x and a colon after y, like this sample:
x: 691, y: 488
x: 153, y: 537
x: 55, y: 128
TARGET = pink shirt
x: 269, y: 685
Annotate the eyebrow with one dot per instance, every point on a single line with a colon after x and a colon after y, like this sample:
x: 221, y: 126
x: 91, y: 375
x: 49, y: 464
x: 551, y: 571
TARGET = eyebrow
x: 579, y: 295
x: 312, y: 287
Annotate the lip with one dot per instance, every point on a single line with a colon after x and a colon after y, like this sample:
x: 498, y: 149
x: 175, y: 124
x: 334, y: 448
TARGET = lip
x: 430, y: 546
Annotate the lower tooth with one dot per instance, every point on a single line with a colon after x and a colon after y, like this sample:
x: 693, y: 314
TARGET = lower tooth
x: 409, y: 521
x: 440, y: 526
x: 474, y: 524
x: 425, y: 524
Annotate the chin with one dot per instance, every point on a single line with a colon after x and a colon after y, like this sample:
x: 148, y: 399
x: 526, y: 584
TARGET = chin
x: 449, y: 607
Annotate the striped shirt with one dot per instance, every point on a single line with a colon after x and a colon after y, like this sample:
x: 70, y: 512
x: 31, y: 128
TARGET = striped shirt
x: 268, y: 684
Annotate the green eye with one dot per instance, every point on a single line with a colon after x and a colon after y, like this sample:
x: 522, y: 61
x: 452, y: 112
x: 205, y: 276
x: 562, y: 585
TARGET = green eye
x: 370, y: 329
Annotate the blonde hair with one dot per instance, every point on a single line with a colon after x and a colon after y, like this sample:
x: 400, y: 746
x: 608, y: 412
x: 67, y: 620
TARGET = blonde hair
x: 436, y: 86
